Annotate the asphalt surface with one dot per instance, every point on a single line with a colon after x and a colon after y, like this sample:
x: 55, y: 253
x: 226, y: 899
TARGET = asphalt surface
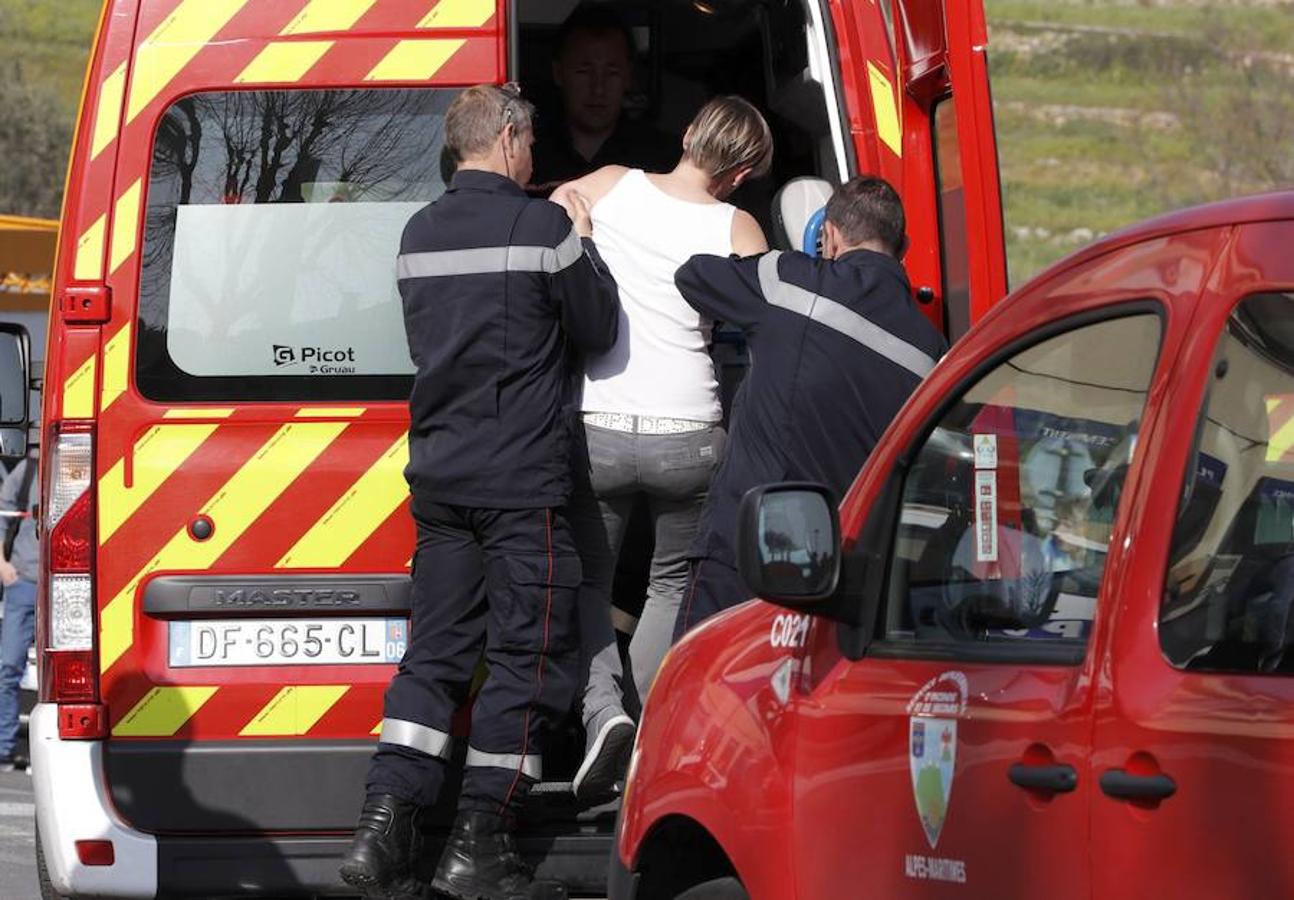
x: 17, y: 838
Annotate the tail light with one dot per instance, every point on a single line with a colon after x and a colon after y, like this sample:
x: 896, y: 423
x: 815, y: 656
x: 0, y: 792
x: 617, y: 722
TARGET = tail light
x: 69, y: 672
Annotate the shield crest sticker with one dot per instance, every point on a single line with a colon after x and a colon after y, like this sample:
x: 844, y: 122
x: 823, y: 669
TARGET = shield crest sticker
x: 932, y: 748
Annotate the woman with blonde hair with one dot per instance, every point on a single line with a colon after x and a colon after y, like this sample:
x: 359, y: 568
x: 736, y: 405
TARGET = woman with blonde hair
x: 651, y: 404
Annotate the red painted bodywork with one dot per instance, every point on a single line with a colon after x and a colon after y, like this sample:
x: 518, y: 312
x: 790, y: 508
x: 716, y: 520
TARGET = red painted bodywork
x: 818, y: 802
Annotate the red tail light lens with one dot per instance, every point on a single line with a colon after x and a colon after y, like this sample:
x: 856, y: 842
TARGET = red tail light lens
x: 69, y: 667
x: 71, y: 541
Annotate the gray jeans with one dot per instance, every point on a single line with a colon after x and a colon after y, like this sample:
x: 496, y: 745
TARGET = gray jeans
x: 672, y: 472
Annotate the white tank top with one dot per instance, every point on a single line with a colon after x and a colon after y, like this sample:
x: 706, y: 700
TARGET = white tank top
x: 660, y: 364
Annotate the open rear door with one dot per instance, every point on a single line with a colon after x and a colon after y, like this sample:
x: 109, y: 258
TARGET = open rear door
x: 915, y: 80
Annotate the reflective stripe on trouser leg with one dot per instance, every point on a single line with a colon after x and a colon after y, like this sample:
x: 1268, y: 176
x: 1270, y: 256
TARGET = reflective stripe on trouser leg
x: 415, y: 736
x: 445, y: 637
x: 530, y: 765
x: 532, y: 574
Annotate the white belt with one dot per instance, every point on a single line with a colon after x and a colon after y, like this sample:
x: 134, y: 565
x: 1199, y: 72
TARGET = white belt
x: 644, y: 424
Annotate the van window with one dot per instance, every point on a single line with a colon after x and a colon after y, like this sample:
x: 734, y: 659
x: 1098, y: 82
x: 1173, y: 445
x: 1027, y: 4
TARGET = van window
x: 1229, y: 598
x: 1008, y: 506
x: 273, y: 224
x: 952, y: 220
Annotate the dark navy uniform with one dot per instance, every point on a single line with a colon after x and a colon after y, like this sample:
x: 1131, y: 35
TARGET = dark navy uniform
x: 836, y: 347
x: 500, y: 295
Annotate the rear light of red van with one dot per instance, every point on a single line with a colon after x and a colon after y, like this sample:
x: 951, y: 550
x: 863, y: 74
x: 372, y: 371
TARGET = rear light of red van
x: 69, y: 673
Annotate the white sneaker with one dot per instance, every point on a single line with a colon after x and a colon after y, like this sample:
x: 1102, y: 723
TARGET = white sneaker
x: 611, y: 740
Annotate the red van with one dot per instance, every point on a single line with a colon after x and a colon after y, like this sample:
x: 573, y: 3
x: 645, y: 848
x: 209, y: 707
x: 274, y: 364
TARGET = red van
x: 1046, y: 645
x: 226, y: 528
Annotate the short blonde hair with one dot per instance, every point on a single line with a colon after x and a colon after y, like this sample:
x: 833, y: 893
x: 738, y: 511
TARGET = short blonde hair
x: 729, y: 134
x: 477, y: 115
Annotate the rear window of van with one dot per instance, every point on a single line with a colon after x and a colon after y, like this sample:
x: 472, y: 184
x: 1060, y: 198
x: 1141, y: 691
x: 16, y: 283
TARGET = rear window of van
x: 273, y: 225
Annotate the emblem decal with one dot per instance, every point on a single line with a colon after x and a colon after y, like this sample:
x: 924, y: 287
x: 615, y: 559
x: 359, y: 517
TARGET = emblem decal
x: 932, y: 747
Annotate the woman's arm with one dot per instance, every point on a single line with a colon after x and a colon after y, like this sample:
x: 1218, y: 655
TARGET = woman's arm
x: 747, y: 237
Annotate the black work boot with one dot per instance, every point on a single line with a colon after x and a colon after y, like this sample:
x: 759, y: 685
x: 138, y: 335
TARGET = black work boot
x: 385, y: 849
x: 481, y: 862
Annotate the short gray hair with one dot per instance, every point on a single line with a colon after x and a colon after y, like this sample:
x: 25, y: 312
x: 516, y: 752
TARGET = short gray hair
x: 479, y: 114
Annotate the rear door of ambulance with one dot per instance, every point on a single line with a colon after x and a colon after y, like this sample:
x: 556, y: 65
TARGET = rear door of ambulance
x: 915, y: 83
x: 231, y: 351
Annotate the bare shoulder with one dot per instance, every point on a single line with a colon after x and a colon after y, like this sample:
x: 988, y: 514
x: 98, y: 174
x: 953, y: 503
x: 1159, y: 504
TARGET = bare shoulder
x: 593, y: 186
x: 747, y: 237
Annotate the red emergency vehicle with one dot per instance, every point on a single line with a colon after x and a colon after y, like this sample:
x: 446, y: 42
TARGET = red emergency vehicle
x: 1045, y: 648
x: 225, y: 524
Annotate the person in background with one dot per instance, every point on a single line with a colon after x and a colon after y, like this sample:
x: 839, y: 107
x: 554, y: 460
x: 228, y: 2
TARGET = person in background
x: 593, y: 69
x: 839, y: 345
x: 18, y: 568
x: 501, y: 296
x: 651, y: 404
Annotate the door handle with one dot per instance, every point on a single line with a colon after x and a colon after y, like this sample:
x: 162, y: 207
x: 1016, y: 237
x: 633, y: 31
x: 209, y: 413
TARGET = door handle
x: 1053, y: 779
x: 1122, y: 785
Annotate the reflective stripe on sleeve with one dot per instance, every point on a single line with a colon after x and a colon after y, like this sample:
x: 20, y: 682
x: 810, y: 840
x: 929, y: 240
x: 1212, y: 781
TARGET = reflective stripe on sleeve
x: 416, y: 736
x: 491, y: 260
x: 531, y: 766
x: 839, y: 317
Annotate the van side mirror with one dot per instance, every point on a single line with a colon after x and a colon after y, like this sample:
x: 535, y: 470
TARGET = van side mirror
x: 15, y: 388
x: 788, y: 543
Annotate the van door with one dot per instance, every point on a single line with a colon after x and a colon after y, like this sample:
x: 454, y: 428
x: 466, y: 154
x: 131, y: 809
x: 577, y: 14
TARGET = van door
x: 915, y: 78
x: 1196, y: 718
x: 253, y: 532
x: 954, y: 753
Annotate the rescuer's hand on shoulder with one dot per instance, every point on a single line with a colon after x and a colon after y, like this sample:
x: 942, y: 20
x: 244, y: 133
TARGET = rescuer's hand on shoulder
x: 577, y: 207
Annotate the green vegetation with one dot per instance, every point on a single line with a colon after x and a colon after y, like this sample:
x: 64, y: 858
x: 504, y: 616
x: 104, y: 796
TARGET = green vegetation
x: 43, y: 50
x: 1110, y: 112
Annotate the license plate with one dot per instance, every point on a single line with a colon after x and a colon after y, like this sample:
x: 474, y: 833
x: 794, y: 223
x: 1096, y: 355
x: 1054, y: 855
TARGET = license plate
x: 287, y: 642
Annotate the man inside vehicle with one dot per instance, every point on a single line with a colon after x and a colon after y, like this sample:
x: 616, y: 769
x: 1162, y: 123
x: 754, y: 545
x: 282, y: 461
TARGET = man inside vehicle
x: 593, y: 69
x: 840, y: 344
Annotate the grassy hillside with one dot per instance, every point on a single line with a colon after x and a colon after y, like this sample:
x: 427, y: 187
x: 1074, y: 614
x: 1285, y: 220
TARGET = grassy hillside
x: 1108, y: 113
x: 46, y: 42
x: 43, y: 49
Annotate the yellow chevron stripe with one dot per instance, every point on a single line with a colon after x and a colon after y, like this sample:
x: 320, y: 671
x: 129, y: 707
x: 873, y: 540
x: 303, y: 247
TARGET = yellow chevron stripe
x: 209, y: 412
x: 125, y: 225
x: 284, y: 62
x: 414, y: 60
x: 89, y: 252
x: 172, y: 45
x: 116, y: 367
x: 458, y: 14
x: 163, y: 711
x: 108, y: 113
x: 1281, y: 439
x: 233, y: 508
x: 356, y: 515
x: 78, y: 391
x: 377, y: 729
x: 887, y: 112
x: 295, y: 710
x: 158, y: 454
x: 327, y: 15
x: 330, y: 412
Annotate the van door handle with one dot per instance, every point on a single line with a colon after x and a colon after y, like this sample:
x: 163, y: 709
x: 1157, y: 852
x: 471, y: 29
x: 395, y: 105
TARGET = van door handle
x: 1053, y: 779
x: 1122, y: 785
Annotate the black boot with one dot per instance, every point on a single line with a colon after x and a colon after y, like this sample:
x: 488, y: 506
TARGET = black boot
x: 385, y: 850
x: 481, y: 862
